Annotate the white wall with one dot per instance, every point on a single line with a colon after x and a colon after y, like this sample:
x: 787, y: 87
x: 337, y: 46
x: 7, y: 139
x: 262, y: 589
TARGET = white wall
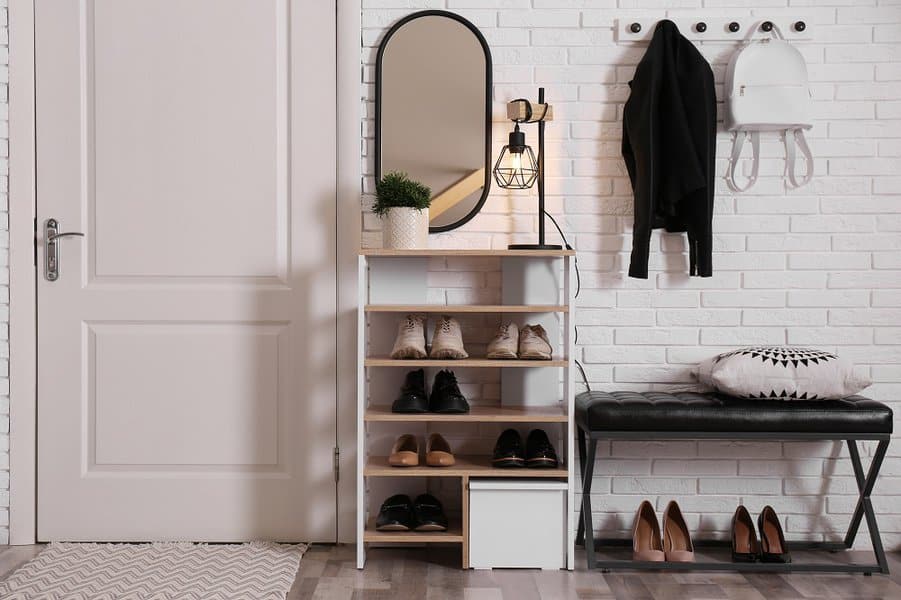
x: 820, y: 266
x: 4, y: 276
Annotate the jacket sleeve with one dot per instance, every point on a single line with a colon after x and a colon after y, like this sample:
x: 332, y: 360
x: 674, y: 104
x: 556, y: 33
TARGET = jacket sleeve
x: 640, y: 135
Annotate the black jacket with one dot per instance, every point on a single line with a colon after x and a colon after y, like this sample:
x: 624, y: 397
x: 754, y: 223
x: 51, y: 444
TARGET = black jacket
x: 669, y: 143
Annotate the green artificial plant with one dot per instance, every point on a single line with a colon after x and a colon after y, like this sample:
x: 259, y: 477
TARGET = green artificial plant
x: 396, y: 189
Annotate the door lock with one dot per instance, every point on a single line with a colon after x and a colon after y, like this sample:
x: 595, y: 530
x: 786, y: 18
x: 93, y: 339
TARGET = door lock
x: 51, y: 247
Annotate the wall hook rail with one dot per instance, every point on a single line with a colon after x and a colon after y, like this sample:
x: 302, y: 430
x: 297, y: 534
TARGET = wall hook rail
x: 717, y: 29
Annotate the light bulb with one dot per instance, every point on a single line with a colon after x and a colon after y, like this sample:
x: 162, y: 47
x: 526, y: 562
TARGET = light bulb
x: 516, y: 161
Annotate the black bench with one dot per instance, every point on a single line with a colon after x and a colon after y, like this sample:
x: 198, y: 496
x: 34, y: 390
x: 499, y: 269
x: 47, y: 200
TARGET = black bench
x: 690, y: 415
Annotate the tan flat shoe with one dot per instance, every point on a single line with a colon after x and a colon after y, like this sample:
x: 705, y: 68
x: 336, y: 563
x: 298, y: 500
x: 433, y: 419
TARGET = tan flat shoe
x: 405, y: 452
x: 677, y: 544
x: 438, y: 452
x: 646, y: 545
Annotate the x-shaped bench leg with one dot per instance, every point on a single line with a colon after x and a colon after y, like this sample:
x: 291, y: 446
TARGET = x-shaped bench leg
x: 580, y: 532
x: 864, y: 507
x: 586, y: 529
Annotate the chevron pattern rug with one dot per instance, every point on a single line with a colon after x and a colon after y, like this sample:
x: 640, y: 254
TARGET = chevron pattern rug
x: 183, y: 571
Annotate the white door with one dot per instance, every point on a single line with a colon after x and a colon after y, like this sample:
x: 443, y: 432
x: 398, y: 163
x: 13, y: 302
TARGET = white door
x: 186, y: 350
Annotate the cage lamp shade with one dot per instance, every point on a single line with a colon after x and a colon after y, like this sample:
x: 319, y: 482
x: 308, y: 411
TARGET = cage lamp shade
x: 516, y: 167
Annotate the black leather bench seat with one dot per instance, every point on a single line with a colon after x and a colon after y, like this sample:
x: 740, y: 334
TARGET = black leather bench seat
x: 720, y: 413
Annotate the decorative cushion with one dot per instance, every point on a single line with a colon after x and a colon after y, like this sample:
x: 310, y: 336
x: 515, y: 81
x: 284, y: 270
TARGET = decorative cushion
x: 785, y: 372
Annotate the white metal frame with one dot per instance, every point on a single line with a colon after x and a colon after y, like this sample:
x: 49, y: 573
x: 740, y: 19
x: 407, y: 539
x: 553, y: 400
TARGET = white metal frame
x: 23, y: 316
x: 349, y: 223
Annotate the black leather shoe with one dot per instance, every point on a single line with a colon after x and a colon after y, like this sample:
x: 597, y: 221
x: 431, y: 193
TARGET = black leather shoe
x: 412, y: 398
x: 446, y: 397
x: 508, y: 451
x: 772, y: 540
x: 396, y: 514
x: 428, y: 514
x: 540, y: 453
x: 745, y: 547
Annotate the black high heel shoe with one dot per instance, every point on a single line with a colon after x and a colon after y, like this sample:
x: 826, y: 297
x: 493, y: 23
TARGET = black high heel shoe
x: 745, y: 547
x: 772, y: 540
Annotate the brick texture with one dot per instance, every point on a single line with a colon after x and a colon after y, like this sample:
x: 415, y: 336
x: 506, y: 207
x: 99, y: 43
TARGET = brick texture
x: 816, y: 266
x: 4, y: 274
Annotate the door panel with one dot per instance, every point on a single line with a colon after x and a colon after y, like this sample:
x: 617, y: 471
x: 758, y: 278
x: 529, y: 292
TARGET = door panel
x: 187, y: 351
x: 221, y: 94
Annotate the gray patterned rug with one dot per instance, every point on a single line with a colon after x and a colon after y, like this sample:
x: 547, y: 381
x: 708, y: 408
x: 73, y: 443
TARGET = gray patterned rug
x: 159, y: 571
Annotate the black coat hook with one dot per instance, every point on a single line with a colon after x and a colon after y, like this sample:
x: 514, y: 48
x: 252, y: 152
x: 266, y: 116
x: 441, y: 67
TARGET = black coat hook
x: 635, y: 27
x: 767, y: 26
x: 734, y: 26
x: 800, y: 26
x: 701, y: 27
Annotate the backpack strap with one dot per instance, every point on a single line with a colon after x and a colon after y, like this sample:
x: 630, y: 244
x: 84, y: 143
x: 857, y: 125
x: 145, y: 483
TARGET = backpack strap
x: 738, y: 144
x: 791, y: 136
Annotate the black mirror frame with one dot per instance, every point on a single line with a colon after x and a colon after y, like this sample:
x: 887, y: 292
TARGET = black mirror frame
x: 488, y: 92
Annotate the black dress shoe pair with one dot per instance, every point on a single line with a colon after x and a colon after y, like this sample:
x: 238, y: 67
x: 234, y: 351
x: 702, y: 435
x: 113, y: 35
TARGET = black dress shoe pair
x: 399, y: 513
x: 538, y: 453
x: 446, y: 397
x: 770, y: 549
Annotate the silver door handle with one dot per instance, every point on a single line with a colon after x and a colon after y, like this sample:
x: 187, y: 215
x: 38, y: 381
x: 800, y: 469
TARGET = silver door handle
x: 51, y: 248
x: 67, y: 234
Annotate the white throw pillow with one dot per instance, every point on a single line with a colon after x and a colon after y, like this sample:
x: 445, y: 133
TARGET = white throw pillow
x: 785, y: 372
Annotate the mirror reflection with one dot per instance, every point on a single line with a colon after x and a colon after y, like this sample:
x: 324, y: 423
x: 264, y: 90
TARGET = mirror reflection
x: 433, y: 117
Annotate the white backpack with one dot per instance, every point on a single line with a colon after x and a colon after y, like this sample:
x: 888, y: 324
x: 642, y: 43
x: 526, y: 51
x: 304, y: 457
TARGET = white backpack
x: 766, y: 90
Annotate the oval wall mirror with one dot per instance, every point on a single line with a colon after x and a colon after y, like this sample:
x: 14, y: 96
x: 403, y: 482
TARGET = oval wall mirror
x: 433, y: 112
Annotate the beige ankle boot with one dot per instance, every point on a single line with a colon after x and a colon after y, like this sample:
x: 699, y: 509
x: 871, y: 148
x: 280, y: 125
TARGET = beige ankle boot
x: 447, y: 342
x: 410, y: 340
x: 533, y: 343
x: 505, y: 342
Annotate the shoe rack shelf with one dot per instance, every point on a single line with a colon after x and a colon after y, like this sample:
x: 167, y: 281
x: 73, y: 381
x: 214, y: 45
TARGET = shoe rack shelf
x: 476, y: 363
x: 465, y: 466
x: 537, y: 287
x: 453, y: 535
x: 476, y: 414
x: 464, y: 308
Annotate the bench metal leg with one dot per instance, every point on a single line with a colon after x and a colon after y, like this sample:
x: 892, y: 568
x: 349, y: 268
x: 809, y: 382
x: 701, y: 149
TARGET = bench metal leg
x: 580, y: 532
x: 864, y: 507
x: 585, y: 517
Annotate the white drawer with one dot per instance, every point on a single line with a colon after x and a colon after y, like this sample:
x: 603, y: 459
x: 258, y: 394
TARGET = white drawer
x: 517, y: 523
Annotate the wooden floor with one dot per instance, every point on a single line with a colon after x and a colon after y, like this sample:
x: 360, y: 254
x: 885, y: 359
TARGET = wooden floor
x: 328, y: 573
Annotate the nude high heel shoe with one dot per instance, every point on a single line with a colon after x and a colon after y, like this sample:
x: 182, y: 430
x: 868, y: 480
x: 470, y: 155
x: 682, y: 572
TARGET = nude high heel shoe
x: 646, y: 545
x: 677, y: 544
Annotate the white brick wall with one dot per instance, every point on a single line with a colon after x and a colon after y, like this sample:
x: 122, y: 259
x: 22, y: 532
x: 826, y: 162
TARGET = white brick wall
x: 818, y: 266
x: 4, y: 275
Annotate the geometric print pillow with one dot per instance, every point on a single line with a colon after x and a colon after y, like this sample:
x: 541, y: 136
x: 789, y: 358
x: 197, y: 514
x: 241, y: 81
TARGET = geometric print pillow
x: 786, y: 372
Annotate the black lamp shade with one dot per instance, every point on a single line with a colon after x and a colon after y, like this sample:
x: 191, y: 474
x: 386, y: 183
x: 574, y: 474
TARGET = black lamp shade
x: 516, y: 167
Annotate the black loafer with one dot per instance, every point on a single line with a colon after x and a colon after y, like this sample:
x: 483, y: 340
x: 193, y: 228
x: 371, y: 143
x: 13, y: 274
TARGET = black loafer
x: 428, y: 514
x: 508, y: 451
x: 772, y: 541
x: 540, y: 452
x: 396, y: 514
x: 412, y: 398
x: 446, y: 397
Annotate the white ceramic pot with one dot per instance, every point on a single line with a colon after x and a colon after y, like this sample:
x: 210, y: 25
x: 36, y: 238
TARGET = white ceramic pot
x: 405, y: 228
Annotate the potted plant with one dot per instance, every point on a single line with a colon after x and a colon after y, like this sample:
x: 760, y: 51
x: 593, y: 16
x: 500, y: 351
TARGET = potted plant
x: 403, y: 205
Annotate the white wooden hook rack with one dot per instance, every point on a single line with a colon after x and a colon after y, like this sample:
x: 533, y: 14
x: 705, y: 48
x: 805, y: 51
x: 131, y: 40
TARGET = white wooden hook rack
x: 717, y: 29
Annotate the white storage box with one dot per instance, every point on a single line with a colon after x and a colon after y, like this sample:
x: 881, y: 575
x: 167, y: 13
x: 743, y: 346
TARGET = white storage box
x: 517, y: 523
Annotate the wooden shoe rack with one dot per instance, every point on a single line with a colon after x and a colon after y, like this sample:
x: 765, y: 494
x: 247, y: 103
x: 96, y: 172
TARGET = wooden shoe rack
x: 536, y: 287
